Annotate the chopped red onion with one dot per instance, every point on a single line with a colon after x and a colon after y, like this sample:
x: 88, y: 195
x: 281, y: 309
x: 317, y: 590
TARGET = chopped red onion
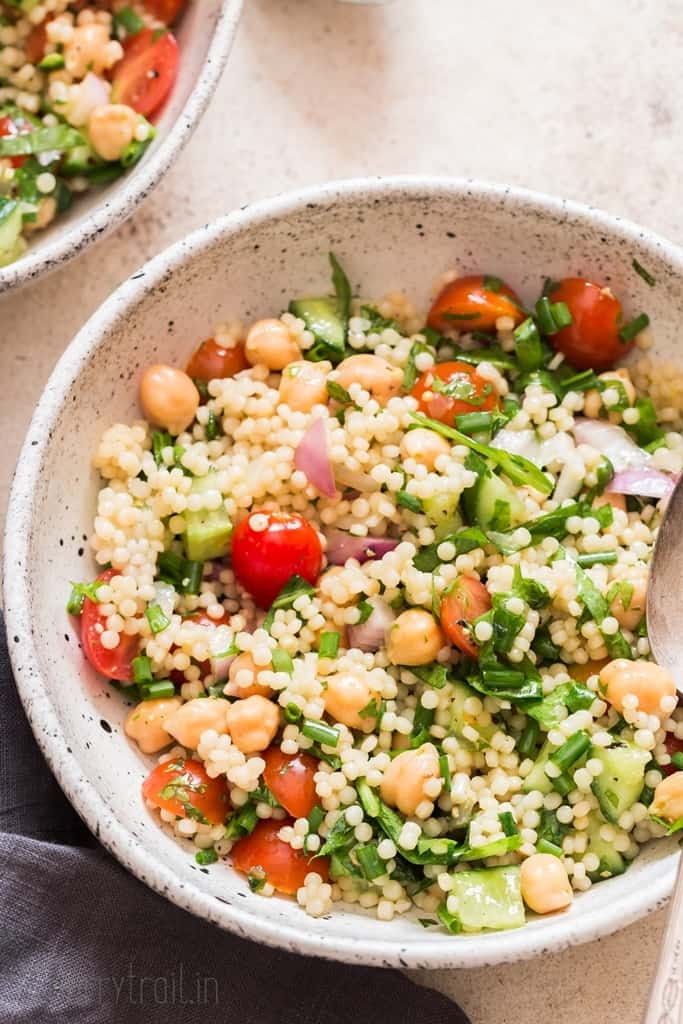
x: 647, y: 483
x: 371, y: 635
x: 313, y: 459
x: 612, y: 441
x: 341, y: 546
x: 220, y: 642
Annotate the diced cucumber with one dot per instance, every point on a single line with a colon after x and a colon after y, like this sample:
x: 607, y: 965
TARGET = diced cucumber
x: 537, y: 778
x: 11, y: 244
x: 207, y: 532
x: 442, y: 509
x: 611, y: 861
x: 493, y: 505
x: 460, y: 718
x: 325, y: 322
x: 488, y: 899
x: 622, y: 778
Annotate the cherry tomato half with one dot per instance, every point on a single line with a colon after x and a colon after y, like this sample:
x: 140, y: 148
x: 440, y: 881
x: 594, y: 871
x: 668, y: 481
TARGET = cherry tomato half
x: 9, y: 127
x: 289, y: 777
x: 591, y: 342
x: 182, y: 787
x: 264, y: 560
x: 452, y: 389
x: 466, y: 599
x: 212, y: 360
x: 165, y: 10
x: 145, y: 75
x: 282, y: 866
x: 36, y: 42
x: 116, y: 663
x: 474, y: 304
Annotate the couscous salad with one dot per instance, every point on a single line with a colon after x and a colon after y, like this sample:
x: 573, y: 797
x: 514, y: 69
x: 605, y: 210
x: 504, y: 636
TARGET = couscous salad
x: 78, y: 82
x: 376, y: 589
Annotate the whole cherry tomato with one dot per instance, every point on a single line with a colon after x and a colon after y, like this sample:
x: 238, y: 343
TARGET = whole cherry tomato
x: 183, y: 787
x: 449, y: 389
x: 289, y: 777
x: 465, y: 600
x: 265, y: 559
x: 145, y: 75
x: 116, y: 663
x: 212, y: 360
x: 591, y: 342
x: 264, y: 852
x: 474, y: 304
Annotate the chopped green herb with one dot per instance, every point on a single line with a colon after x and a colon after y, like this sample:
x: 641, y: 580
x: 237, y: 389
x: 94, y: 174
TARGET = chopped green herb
x: 642, y: 272
x: 629, y: 331
x: 158, y: 621
x: 127, y: 19
x: 184, y: 575
x: 370, y: 861
x: 213, y: 427
x: 576, y: 747
x: 142, y: 669
x: 282, y: 661
x: 409, y: 501
x: 294, y: 588
x: 206, y: 857
x: 329, y: 645
x: 320, y: 732
x: 79, y: 592
x: 366, y: 610
x: 338, y: 393
x: 492, y: 283
x: 598, y: 558
x: 52, y: 62
x: 160, y: 440
x: 528, y: 345
x: 411, y: 372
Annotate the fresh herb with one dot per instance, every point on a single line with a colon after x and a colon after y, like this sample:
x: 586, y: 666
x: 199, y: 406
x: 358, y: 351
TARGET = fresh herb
x: 598, y: 558
x: 206, y: 857
x: 127, y: 19
x: 492, y: 283
x: 213, y: 427
x: 370, y: 861
x: 552, y: 316
x: 156, y: 689
x: 450, y: 922
x: 242, y: 823
x: 493, y: 354
x: 156, y: 617
x: 320, y: 732
x: 645, y: 430
x: 586, y: 380
x: 479, y: 422
x: 445, y: 772
x: 256, y: 880
x: 411, y: 372
x: 182, y: 573
x: 180, y: 789
x: 315, y: 819
x: 52, y: 62
x: 459, y: 386
x: 376, y: 320
x: 528, y: 345
x: 79, y: 592
x: 142, y: 669
x: 434, y: 675
x: 423, y: 719
x: 294, y: 588
x: 373, y: 709
x: 409, y: 501
x: 342, y: 289
x: 642, y: 272
x: 572, y: 696
x: 534, y: 593
x: 576, y: 747
x: 160, y: 440
x: 329, y: 645
x: 365, y: 609
x: 629, y: 331
x: 598, y: 609
x: 338, y: 393
x: 282, y: 661
x: 465, y: 540
x: 58, y: 137
x: 527, y: 743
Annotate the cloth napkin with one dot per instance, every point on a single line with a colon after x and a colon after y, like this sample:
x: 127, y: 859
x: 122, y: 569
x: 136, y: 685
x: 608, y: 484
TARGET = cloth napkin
x: 83, y: 942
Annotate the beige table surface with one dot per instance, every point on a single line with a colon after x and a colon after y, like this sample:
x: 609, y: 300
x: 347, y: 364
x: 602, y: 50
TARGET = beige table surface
x: 580, y: 99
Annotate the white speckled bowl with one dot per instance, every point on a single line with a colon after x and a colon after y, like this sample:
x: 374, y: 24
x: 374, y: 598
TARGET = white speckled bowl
x: 205, y: 34
x: 388, y: 234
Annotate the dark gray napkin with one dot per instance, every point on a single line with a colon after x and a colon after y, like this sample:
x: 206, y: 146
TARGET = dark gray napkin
x: 83, y: 942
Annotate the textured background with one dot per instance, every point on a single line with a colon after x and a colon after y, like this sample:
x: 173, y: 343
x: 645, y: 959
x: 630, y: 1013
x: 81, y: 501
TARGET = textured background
x: 582, y: 100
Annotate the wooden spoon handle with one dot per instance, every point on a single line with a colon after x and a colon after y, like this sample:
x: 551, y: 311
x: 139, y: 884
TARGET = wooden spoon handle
x: 666, y: 995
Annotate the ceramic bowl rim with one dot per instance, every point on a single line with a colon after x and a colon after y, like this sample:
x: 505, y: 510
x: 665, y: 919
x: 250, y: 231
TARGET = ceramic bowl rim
x: 119, y: 201
x: 466, y: 951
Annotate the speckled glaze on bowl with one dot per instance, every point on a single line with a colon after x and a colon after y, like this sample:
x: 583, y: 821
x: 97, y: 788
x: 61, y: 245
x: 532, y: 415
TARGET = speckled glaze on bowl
x: 205, y: 35
x: 388, y: 233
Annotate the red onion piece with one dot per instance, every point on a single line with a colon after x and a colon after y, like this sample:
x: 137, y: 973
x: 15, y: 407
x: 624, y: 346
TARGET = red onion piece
x: 371, y: 635
x: 612, y: 441
x: 647, y: 483
x: 313, y: 459
x: 220, y: 642
x: 341, y: 546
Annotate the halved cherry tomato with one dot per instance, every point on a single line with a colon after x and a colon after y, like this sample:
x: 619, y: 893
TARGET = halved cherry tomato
x: 182, y: 787
x: 282, y: 866
x: 452, y: 389
x: 673, y: 746
x: 145, y: 75
x: 591, y: 342
x: 165, y: 10
x: 36, y: 41
x: 212, y: 360
x: 474, y: 304
x: 289, y: 777
x: 466, y: 599
x: 117, y: 663
x: 264, y: 560
x: 10, y: 127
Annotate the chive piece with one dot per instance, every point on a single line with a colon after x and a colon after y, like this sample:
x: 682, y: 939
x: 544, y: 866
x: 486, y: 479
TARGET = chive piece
x: 293, y: 713
x: 160, y: 440
x: 79, y: 592
x: 599, y: 558
x: 52, y: 62
x: 342, y: 290
x: 315, y: 818
x: 544, y: 315
x: 528, y: 345
x: 526, y: 744
x: 329, y: 645
x: 181, y: 573
x: 571, y: 751
x: 338, y: 393
x: 508, y: 823
x: 282, y: 661
x: 409, y: 501
x: 461, y: 316
x: 634, y: 327
x: 563, y: 785
x: 545, y: 846
x: 562, y: 315
x: 411, y: 372
x: 156, y: 689
x: 206, y: 857
x: 370, y: 861
x: 642, y: 272
x: 423, y: 720
x: 320, y: 732
x: 366, y: 610
x: 492, y: 283
x: 216, y: 689
x: 677, y: 760
x: 158, y: 621
x: 445, y: 772
x: 584, y: 381
x: 213, y: 427
x: 127, y: 19
x: 475, y: 422
x: 142, y: 669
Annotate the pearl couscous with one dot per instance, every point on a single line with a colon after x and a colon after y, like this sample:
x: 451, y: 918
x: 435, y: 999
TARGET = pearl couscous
x: 376, y: 592
x: 78, y: 82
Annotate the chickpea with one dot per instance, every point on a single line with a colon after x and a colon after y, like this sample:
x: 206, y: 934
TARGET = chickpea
x: 346, y: 696
x: 111, y: 129
x: 615, y: 500
x: 245, y: 663
x: 374, y: 374
x: 629, y: 617
x: 424, y: 446
x: 188, y: 723
x: 304, y: 385
x: 649, y: 682
x: 252, y: 723
x: 270, y: 344
x: 545, y: 883
x: 414, y: 638
x: 145, y: 723
x: 168, y: 397
x: 87, y: 50
x: 404, y: 779
x: 668, y: 801
x: 593, y: 399
x: 47, y: 211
